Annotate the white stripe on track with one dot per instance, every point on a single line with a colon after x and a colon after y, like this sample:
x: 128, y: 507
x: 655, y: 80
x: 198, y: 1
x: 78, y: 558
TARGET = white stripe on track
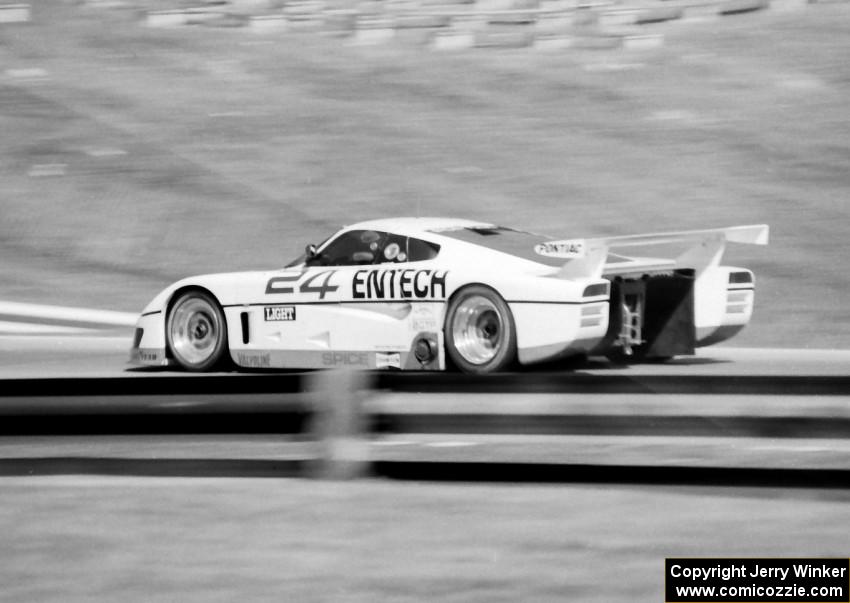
x: 26, y: 328
x: 55, y: 343
x: 36, y: 311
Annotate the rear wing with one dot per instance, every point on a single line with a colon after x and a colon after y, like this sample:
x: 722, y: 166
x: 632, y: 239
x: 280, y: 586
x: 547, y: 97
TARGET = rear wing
x: 592, y: 258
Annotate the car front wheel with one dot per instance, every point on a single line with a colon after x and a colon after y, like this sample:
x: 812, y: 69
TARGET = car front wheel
x: 197, y: 332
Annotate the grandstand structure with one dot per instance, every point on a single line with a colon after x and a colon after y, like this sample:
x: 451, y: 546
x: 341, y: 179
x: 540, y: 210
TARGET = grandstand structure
x: 445, y: 24
x: 460, y: 24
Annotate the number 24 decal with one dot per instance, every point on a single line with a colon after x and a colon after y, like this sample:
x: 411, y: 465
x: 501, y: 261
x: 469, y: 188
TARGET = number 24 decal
x: 280, y: 284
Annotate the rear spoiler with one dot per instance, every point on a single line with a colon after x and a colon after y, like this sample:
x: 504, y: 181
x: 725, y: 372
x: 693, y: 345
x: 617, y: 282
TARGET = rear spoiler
x: 589, y: 258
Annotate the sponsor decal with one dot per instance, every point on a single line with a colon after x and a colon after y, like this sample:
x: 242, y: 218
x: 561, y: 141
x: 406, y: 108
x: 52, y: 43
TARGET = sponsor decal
x: 254, y: 360
x: 149, y: 356
x: 279, y: 313
x: 318, y: 283
x: 423, y: 319
x: 387, y: 360
x: 396, y: 283
x: 561, y: 249
x: 345, y: 359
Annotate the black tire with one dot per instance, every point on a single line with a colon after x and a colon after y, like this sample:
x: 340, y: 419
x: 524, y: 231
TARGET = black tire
x: 196, y: 332
x: 479, y: 330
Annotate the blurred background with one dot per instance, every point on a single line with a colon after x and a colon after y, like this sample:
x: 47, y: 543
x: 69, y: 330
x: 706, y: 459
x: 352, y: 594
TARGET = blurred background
x: 147, y: 140
x: 142, y: 141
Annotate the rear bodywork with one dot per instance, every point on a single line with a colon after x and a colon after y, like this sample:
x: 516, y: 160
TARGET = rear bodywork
x: 566, y: 297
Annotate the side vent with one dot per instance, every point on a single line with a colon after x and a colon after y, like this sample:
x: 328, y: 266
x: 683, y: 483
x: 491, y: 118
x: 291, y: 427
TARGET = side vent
x: 596, y: 290
x: 740, y: 278
x: 246, y: 334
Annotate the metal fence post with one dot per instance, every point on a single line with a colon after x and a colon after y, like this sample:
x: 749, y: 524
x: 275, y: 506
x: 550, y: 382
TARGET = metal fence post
x: 339, y: 423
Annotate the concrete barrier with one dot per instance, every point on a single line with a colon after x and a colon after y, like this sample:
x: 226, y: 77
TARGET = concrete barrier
x: 422, y: 21
x: 788, y: 5
x: 27, y: 74
x: 511, y: 18
x: 519, y: 37
x: 453, y: 4
x: 367, y: 8
x: 585, y: 17
x: 416, y: 37
x: 268, y: 23
x: 15, y: 13
x: 305, y: 15
x: 166, y: 18
x: 658, y: 14
x: 203, y: 15
x: 700, y: 13
x: 250, y: 6
x: 552, y: 41
x: 553, y: 23
x: 598, y: 41
x: 643, y: 41
x: 456, y: 24
x: 453, y: 39
x: 471, y: 22
x: 557, y: 5
x: 402, y: 6
x: 736, y: 7
x: 485, y: 6
x: 187, y: 16
x: 339, y: 22
x: 594, y: 4
x: 418, y: 28
x: 303, y: 8
x: 106, y: 3
x: 374, y: 30
x: 617, y: 17
x: 335, y: 5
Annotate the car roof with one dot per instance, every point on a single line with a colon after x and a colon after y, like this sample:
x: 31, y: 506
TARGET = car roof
x: 417, y: 226
x: 458, y: 235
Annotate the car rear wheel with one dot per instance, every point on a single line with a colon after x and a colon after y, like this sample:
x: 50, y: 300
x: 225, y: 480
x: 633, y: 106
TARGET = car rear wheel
x: 480, y: 331
x: 196, y: 332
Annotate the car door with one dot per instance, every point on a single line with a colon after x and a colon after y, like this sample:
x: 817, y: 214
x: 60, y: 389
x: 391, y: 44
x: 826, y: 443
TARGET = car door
x: 358, y: 301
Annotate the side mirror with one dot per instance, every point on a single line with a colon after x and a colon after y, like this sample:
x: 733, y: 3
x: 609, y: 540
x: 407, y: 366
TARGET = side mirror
x: 310, y: 250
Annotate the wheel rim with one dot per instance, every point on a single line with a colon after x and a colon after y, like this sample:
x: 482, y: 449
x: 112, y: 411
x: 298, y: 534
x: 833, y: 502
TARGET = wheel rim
x: 195, y: 330
x: 477, y: 329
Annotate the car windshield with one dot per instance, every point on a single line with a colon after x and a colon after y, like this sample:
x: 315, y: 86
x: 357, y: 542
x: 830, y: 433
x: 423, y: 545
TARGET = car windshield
x: 364, y: 247
x: 507, y: 240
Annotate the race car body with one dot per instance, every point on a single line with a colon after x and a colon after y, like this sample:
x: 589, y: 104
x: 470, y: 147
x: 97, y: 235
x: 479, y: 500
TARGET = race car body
x: 432, y: 293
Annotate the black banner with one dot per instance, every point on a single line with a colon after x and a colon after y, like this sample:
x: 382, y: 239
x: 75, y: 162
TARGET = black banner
x: 749, y: 580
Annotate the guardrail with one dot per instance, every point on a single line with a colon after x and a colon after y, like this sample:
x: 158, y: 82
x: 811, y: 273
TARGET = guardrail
x: 148, y: 385
x: 346, y: 424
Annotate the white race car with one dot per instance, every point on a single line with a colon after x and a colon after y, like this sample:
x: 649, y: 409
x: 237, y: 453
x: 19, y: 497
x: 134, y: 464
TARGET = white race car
x: 432, y: 293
